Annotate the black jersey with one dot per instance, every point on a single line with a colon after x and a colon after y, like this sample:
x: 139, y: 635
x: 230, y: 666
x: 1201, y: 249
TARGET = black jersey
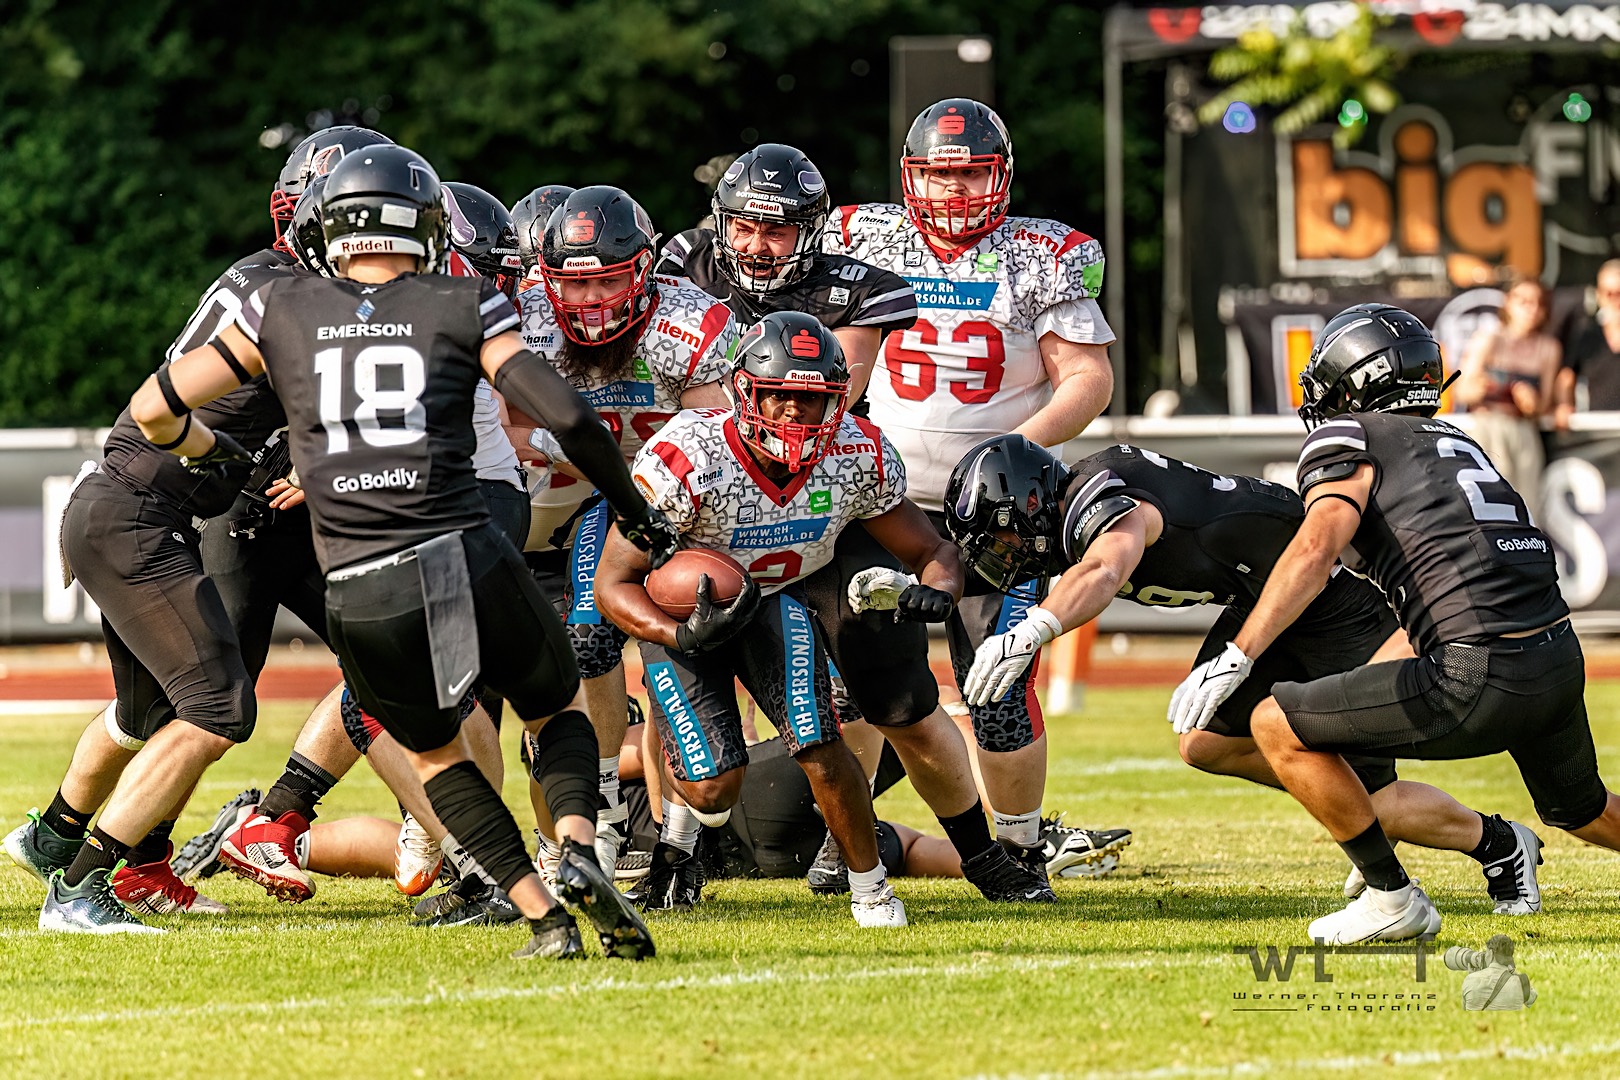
x: 838, y: 290
x: 249, y: 414
x: 1444, y: 536
x: 378, y: 383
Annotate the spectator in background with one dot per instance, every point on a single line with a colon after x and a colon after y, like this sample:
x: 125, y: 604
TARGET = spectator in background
x: 1594, y: 359
x: 1508, y: 378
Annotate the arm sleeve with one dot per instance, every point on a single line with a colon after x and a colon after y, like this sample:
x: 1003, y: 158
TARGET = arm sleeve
x: 660, y: 472
x: 1332, y: 452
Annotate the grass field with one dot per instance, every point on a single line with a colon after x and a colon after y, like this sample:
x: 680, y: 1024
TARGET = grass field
x: 1132, y: 975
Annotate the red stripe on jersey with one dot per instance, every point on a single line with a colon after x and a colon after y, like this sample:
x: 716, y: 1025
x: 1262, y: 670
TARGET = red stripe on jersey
x: 676, y: 460
x: 714, y: 321
x: 1070, y: 242
x: 870, y: 430
x: 781, y: 494
x: 845, y: 213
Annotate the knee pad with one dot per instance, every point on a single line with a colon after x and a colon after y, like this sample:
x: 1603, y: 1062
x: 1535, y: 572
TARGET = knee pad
x: 109, y: 716
x: 565, y: 759
x: 1577, y: 813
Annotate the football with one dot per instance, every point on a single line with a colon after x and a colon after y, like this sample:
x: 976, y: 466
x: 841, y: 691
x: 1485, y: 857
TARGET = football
x: 673, y: 586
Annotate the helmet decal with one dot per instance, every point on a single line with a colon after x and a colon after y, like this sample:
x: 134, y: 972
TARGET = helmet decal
x: 952, y: 123
x: 733, y: 172
x: 811, y: 181
x: 462, y: 232
x: 581, y: 230
x: 805, y: 344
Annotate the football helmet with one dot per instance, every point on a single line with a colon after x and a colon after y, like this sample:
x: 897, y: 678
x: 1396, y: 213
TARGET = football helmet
x: 481, y: 230
x: 788, y: 351
x: 315, y: 155
x: 957, y: 133
x: 385, y: 200
x: 599, y: 232
x: 529, y: 217
x: 1372, y: 358
x: 307, y: 240
x: 1007, y: 484
x: 771, y: 184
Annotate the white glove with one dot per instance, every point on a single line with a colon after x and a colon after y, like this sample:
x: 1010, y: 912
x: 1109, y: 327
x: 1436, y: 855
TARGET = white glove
x: 878, y: 588
x: 542, y: 440
x: 1193, y: 704
x: 1001, y: 661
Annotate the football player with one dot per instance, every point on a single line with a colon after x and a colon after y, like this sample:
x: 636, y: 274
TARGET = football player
x: 1009, y: 339
x: 639, y: 349
x: 378, y: 370
x: 1493, y: 664
x: 764, y: 255
x: 529, y: 217
x: 1156, y: 531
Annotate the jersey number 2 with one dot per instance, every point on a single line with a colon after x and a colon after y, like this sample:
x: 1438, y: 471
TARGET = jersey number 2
x: 1470, y: 480
x: 408, y: 373
x: 993, y: 363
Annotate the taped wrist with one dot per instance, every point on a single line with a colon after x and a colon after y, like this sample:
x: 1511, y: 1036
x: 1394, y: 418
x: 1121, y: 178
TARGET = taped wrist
x: 565, y: 758
x: 475, y: 815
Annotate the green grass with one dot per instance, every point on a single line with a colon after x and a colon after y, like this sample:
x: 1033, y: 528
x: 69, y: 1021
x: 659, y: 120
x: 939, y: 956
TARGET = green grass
x: 1130, y: 974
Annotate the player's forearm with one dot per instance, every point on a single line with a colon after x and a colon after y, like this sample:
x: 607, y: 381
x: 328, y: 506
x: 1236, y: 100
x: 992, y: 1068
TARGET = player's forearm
x: 1082, y: 593
x: 162, y: 427
x: 1296, y: 580
x: 621, y: 594
x: 1076, y: 401
x: 943, y: 570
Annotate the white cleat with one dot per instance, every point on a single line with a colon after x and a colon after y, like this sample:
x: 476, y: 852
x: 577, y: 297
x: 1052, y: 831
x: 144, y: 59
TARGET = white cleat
x: 882, y: 910
x: 1355, y: 884
x: 1101, y: 868
x: 1379, y: 916
x: 417, y: 859
x: 1511, y: 881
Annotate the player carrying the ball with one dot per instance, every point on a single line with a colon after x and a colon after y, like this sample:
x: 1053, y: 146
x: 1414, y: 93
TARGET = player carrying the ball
x: 772, y: 484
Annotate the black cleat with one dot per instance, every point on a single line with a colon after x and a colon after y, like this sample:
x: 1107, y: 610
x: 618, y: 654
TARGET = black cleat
x: 632, y: 866
x: 1008, y: 874
x: 199, y: 857
x: 490, y: 908
x: 828, y: 876
x: 1068, y: 850
x: 657, y: 891
x: 581, y: 882
x: 556, y: 937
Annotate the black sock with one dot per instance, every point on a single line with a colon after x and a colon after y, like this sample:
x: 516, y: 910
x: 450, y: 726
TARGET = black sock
x: 100, y: 852
x: 1496, y: 841
x: 155, y: 848
x: 302, y: 785
x: 64, y: 820
x: 1375, y: 858
x: 474, y: 814
x: 969, y: 831
x: 565, y: 767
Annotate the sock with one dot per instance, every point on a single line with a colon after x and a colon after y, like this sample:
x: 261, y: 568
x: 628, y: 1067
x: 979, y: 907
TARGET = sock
x: 64, y: 820
x: 472, y: 810
x: 1375, y: 858
x: 100, y: 852
x: 1496, y: 841
x: 866, y: 884
x: 302, y: 784
x: 968, y: 831
x: 469, y: 872
x: 565, y: 758
x: 1021, y: 829
x: 154, y: 848
x: 680, y: 827
x: 607, y: 782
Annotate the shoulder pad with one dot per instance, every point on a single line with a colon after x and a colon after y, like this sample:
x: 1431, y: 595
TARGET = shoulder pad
x: 1335, y: 470
x: 1095, y: 520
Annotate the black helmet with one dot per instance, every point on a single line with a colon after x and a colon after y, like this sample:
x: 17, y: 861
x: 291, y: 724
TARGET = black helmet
x: 315, y: 155
x: 788, y: 350
x: 1006, y: 483
x: 387, y: 199
x: 529, y: 217
x: 957, y: 133
x: 774, y: 185
x: 1372, y: 358
x: 599, y: 232
x: 481, y: 231
x: 308, y: 241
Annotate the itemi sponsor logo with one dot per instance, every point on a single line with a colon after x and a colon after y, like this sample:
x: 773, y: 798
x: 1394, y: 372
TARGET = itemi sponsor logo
x: 388, y: 479
x: 679, y: 333
x: 361, y: 329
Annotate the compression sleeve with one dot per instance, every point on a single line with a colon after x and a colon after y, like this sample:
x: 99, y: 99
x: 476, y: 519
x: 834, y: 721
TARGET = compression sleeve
x: 535, y: 387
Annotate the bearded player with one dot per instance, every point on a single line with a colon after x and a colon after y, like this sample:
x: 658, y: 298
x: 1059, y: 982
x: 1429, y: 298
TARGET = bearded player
x: 1009, y: 339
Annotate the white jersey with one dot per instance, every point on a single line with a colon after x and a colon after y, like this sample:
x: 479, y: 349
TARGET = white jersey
x: 971, y: 367
x: 493, y: 458
x: 699, y: 473
x: 688, y: 341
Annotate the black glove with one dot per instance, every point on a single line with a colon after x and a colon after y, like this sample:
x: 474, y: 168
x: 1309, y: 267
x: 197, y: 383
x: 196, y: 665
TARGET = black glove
x: 653, y: 534
x: 923, y: 603
x: 224, y: 456
x: 709, y: 626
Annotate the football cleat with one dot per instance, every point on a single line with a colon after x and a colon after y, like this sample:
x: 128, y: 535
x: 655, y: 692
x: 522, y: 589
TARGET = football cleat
x: 491, y: 907
x: 674, y: 882
x: 265, y: 852
x: 1101, y: 868
x: 1066, y: 847
x: 1032, y: 859
x: 581, y: 882
x: 1005, y: 879
x: 449, y: 899
x: 1379, y: 916
x: 546, y: 854
x: 610, y: 840
x: 556, y: 938
x: 828, y: 876
x: 1511, y: 880
x: 90, y: 907
x: 199, y: 856
x: 417, y: 859
x: 632, y: 866
x: 882, y: 910
x: 154, y: 889
x: 1354, y: 883
x: 36, y: 848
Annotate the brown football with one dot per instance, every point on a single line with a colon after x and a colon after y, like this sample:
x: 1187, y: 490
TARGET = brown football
x: 673, y: 586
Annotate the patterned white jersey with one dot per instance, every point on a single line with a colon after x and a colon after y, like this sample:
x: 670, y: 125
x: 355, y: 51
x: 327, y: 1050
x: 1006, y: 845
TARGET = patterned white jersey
x: 970, y: 368
x: 699, y: 472
x: 688, y: 341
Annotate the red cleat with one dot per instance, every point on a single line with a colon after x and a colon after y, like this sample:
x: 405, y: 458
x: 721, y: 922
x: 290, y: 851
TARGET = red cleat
x: 154, y: 889
x: 264, y: 851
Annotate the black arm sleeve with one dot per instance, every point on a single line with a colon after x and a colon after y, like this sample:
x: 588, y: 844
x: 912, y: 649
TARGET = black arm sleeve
x: 535, y: 387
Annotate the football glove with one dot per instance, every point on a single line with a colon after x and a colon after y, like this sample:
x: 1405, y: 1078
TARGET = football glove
x: 225, y: 455
x: 1002, y: 660
x: 923, y: 603
x: 878, y: 588
x: 709, y: 625
x: 653, y: 534
x: 1193, y: 704
x: 542, y: 441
